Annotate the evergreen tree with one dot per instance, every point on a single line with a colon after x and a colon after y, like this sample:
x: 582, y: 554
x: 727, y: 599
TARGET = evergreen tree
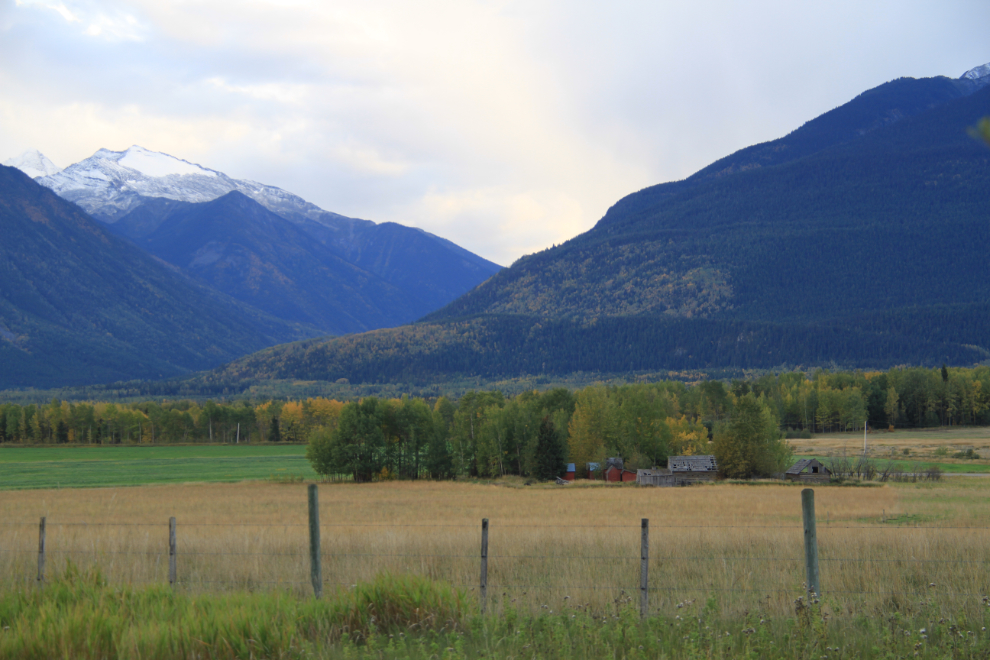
x: 550, y: 457
x: 61, y: 433
x: 439, y: 459
x: 275, y: 435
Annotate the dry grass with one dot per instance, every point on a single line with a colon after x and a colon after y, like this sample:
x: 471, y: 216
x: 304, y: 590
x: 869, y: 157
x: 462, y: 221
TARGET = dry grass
x: 920, y: 442
x: 741, y: 544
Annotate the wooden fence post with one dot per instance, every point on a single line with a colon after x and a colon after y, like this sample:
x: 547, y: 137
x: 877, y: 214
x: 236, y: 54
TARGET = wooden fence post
x: 484, y: 564
x: 644, y: 570
x: 810, y: 542
x: 315, y: 565
x: 41, y: 552
x: 171, y: 552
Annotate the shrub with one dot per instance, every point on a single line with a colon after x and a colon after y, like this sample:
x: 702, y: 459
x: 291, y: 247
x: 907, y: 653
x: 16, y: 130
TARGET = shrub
x: 406, y: 602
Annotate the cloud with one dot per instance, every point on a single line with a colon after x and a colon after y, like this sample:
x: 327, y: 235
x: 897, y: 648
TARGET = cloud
x: 94, y: 20
x: 503, y: 125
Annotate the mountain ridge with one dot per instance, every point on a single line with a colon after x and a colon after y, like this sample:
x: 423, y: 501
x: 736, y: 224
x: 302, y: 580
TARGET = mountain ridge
x: 429, y: 271
x: 244, y: 250
x: 79, y: 305
x: 869, y: 251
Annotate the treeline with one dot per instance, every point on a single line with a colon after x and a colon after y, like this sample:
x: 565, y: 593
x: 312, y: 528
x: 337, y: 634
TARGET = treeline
x: 487, y: 434
x: 149, y: 422
x: 504, y: 346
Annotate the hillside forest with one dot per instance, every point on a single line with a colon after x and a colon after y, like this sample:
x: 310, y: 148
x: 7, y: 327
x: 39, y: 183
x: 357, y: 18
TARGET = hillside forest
x: 486, y: 434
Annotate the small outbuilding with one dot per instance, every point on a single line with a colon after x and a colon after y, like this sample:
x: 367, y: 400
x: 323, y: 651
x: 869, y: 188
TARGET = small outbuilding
x: 693, y: 468
x: 809, y: 470
x: 569, y: 473
x: 661, y: 477
x: 615, y: 471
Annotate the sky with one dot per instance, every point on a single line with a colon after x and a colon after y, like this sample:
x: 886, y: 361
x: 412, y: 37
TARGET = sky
x: 503, y: 126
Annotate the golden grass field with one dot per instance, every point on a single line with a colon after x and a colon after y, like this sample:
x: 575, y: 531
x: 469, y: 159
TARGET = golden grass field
x: 881, y: 547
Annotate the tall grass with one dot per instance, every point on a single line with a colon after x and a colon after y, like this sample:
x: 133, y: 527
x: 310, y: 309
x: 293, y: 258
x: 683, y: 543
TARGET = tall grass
x: 549, y: 547
x: 80, y: 616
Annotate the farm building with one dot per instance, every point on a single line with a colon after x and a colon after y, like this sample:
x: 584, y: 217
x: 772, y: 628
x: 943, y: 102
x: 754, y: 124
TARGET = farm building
x: 569, y: 473
x: 611, y: 470
x: 616, y: 474
x: 657, y: 477
x: 810, y: 470
x: 693, y: 468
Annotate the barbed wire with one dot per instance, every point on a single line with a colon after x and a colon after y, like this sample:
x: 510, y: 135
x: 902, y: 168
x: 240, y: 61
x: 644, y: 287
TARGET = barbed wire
x: 822, y: 526
x: 493, y: 556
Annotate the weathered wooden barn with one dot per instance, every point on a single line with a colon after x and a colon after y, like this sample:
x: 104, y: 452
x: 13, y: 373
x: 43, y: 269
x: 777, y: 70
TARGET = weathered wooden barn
x: 693, y: 468
x: 661, y: 477
x: 809, y: 470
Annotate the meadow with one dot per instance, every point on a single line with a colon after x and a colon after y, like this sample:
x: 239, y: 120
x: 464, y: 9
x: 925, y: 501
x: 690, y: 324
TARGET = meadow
x: 130, y: 465
x: 889, y: 548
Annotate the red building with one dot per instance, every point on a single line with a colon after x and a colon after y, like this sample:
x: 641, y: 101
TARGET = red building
x: 613, y: 473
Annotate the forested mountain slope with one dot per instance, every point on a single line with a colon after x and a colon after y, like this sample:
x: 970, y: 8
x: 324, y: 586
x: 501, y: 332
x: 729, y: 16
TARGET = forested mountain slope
x: 244, y: 250
x: 860, y: 239
x: 79, y: 305
x: 897, y: 218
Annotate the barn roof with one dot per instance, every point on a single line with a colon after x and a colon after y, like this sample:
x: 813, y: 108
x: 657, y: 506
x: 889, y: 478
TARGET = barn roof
x: 692, y: 464
x: 802, y: 465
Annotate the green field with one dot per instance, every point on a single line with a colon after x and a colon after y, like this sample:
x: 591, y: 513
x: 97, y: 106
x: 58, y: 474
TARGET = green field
x: 88, y: 467
x: 909, y: 466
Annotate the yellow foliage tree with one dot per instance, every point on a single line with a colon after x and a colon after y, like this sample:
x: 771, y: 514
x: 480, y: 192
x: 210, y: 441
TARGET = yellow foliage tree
x: 592, y: 428
x: 688, y: 437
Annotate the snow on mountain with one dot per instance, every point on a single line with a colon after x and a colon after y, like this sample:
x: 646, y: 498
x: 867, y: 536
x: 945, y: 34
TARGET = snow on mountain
x: 979, y: 75
x: 154, y: 164
x: 33, y: 163
x: 109, y: 184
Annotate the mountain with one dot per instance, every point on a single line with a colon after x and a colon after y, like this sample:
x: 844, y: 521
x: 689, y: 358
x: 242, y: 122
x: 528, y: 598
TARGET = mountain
x: 79, y: 305
x: 244, y: 250
x: 859, y: 239
x: 33, y: 163
x: 428, y: 270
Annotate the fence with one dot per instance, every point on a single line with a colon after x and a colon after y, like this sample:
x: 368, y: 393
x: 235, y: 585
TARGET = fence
x: 863, y: 567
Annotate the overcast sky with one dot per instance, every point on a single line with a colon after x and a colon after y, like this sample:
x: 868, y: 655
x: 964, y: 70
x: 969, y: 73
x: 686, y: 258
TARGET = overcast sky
x: 504, y: 126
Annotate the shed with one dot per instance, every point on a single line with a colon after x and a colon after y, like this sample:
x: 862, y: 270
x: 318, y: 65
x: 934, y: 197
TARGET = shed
x: 693, y: 468
x: 809, y: 470
x: 616, y: 474
x: 569, y: 473
x: 657, y: 477
x: 592, y: 469
x: 615, y: 470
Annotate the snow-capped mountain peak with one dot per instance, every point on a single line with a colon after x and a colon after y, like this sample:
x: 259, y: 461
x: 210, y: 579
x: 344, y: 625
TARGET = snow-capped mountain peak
x: 33, y: 163
x: 156, y: 164
x: 110, y: 184
x: 980, y: 76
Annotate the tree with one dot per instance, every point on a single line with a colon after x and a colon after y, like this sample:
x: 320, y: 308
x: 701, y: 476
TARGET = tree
x: 890, y: 407
x: 593, y: 427
x: 750, y: 444
x: 319, y: 452
x: 550, y: 459
x: 358, y: 442
x: 274, y: 434
x: 61, y: 433
x: 439, y: 461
